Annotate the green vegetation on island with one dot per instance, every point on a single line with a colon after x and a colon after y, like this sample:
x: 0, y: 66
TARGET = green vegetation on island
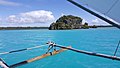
x: 68, y: 22
x: 85, y: 26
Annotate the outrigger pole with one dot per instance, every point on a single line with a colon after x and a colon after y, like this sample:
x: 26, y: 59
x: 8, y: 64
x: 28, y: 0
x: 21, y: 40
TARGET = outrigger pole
x: 95, y: 14
x: 22, y: 49
x: 91, y: 53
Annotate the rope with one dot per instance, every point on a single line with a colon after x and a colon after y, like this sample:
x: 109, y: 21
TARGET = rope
x: 116, y: 48
x: 112, y: 6
x: 22, y: 49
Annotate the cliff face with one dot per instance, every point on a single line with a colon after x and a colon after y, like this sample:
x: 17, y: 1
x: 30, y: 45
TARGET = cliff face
x: 67, y: 22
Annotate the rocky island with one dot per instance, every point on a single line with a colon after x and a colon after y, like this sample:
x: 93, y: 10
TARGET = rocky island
x: 68, y: 22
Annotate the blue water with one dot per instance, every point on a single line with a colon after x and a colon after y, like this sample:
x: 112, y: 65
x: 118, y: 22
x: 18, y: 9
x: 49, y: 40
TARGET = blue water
x: 100, y: 40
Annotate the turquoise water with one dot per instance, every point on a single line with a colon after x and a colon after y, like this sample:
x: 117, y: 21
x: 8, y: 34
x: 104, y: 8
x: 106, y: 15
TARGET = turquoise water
x: 100, y: 40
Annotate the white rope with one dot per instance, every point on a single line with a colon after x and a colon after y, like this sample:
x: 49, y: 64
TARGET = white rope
x: 35, y: 47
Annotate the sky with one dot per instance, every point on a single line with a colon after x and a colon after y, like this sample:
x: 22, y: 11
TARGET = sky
x: 17, y: 13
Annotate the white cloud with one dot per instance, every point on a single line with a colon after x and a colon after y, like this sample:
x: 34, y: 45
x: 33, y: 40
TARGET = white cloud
x: 8, y: 3
x: 40, y: 16
x: 95, y: 21
x: 98, y: 22
x: 84, y: 21
x: 0, y: 19
x: 62, y: 14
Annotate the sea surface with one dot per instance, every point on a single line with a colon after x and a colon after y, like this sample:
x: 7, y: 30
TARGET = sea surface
x: 100, y: 40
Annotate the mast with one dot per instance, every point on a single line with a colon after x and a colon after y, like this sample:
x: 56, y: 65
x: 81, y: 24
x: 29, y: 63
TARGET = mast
x: 95, y: 14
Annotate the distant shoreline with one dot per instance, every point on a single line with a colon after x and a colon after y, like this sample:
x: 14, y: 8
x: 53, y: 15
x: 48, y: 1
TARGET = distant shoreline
x: 21, y: 28
x: 105, y: 26
x: 26, y: 28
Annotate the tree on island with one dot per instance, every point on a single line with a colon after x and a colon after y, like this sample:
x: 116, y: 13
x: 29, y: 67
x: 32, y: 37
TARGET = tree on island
x: 85, y: 26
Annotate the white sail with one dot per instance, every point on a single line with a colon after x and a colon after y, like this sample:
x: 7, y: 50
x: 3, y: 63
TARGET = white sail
x: 110, y: 8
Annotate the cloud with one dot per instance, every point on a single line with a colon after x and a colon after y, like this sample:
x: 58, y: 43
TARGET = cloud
x: 40, y: 16
x: 84, y: 21
x: 95, y: 21
x: 8, y: 3
x: 62, y: 14
x: 98, y: 22
x: 0, y: 20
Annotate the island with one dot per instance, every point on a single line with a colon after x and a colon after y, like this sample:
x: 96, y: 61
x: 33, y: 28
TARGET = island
x: 68, y: 22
